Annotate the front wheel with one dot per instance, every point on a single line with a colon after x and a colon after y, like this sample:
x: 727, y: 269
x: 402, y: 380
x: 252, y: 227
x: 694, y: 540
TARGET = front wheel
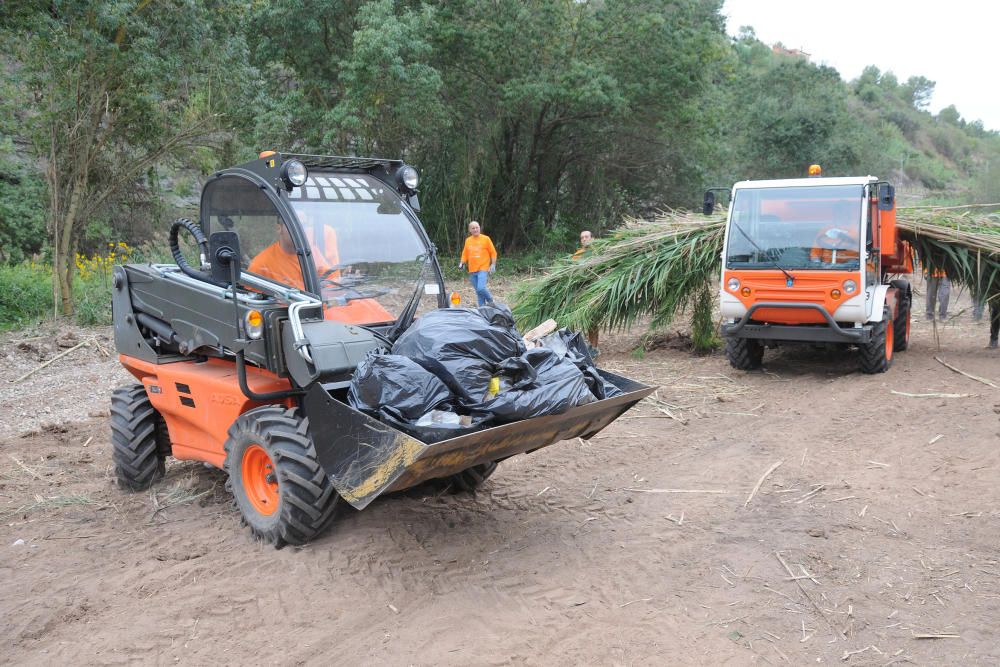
x: 279, y: 485
x: 744, y: 353
x: 876, y: 354
x: 138, y: 439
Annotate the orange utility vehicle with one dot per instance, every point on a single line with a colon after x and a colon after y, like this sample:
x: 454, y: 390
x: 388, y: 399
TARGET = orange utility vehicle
x: 244, y: 361
x: 812, y: 260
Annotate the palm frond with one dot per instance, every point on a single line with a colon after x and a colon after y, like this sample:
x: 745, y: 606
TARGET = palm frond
x: 659, y: 267
x: 653, y: 267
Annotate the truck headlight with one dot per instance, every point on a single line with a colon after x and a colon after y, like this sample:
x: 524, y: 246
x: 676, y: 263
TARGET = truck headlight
x: 733, y: 284
x: 850, y: 286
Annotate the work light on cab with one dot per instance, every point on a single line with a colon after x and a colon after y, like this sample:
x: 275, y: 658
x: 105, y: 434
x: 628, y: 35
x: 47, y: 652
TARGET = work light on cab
x: 294, y: 173
x: 456, y: 300
x: 408, y: 178
x: 815, y: 170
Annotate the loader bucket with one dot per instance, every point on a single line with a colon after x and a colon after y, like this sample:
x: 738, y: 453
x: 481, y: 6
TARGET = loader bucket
x: 365, y: 458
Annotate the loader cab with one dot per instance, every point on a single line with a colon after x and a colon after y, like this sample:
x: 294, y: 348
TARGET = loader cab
x: 342, y: 229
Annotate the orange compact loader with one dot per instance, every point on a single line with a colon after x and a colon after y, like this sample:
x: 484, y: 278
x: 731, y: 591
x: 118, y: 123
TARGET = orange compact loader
x: 244, y: 361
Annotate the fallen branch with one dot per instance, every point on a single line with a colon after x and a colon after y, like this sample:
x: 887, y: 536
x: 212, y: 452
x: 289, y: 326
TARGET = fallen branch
x: 930, y: 395
x: 676, y: 490
x: 988, y: 383
x: 55, y: 358
x: 803, y: 589
x: 935, y: 635
x: 761, y: 481
x: 26, y: 468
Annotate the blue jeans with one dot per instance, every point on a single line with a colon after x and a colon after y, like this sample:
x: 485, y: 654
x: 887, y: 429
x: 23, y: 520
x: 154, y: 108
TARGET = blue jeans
x: 478, y: 280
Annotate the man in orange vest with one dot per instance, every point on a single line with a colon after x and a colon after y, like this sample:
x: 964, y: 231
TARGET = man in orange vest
x: 280, y: 262
x: 481, y: 258
x: 586, y: 238
x: 835, y: 245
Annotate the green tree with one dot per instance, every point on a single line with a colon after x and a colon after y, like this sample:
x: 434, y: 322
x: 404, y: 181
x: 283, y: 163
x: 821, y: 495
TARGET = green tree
x: 119, y: 86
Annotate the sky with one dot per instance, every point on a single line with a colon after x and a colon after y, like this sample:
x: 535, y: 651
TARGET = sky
x: 954, y: 44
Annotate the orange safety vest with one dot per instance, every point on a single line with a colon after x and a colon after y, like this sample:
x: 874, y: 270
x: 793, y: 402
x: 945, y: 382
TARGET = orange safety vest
x: 828, y: 250
x: 479, y: 253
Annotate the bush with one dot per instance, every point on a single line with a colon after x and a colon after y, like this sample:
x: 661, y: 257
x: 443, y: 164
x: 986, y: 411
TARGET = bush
x: 25, y: 294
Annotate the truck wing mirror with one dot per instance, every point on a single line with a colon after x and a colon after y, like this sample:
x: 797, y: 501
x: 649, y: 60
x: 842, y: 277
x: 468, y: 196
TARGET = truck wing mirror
x: 224, y: 255
x: 709, y: 204
x: 886, y: 197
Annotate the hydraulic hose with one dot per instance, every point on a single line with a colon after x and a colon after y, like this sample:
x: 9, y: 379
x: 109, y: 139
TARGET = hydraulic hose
x: 194, y: 229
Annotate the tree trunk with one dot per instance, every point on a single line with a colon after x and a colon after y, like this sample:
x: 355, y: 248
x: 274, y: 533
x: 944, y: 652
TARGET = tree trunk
x: 63, y: 260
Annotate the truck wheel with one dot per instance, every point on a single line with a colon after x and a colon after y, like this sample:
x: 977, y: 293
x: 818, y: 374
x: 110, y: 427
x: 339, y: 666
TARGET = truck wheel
x: 136, y: 433
x: 901, y: 323
x: 279, y: 485
x: 472, y: 478
x: 744, y: 353
x: 876, y: 354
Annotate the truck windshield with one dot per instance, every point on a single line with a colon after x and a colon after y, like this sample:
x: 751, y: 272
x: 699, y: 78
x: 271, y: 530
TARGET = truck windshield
x: 368, y: 255
x: 813, y: 227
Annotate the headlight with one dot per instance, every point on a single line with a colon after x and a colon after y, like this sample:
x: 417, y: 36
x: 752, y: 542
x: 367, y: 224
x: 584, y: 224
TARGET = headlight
x: 254, y: 324
x: 733, y: 284
x: 408, y: 177
x: 294, y: 173
x: 850, y: 286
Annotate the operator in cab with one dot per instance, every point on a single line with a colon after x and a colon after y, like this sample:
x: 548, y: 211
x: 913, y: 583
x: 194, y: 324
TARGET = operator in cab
x: 840, y: 241
x: 279, y: 261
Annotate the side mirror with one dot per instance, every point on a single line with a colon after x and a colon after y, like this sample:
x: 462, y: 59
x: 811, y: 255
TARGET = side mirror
x: 709, y: 204
x: 886, y: 197
x: 224, y: 255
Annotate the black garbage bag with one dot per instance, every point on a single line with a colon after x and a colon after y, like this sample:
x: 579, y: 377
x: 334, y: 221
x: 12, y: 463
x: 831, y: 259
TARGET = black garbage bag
x: 571, y: 345
x: 557, y: 386
x: 498, y: 315
x: 462, y: 347
x: 395, y: 386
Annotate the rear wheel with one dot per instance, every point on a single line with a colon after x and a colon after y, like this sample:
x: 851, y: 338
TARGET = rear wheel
x: 280, y: 488
x: 901, y: 323
x: 876, y: 354
x: 744, y: 353
x: 137, y: 439
x: 472, y: 478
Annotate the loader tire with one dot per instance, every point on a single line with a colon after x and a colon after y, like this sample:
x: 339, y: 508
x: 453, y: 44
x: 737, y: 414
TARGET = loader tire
x: 901, y: 323
x: 275, y: 476
x: 876, y: 354
x: 745, y: 354
x: 137, y: 435
x: 472, y: 478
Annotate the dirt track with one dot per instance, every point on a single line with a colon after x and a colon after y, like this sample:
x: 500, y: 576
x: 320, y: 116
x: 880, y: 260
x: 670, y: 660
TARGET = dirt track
x: 558, y: 560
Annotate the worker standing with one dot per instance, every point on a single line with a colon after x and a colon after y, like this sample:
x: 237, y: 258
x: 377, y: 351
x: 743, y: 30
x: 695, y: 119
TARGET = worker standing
x: 938, y: 290
x: 586, y: 238
x: 481, y: 258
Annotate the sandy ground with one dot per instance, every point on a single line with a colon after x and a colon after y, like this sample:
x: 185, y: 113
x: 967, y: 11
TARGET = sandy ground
x: 884, y: 509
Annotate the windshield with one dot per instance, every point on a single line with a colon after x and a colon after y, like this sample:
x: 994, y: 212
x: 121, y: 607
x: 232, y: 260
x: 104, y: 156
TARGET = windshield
x: 369, y: 257
x: 816, y: 227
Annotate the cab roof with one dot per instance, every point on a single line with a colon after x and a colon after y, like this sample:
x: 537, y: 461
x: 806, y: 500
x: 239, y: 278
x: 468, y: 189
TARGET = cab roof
x: 807, y: 182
